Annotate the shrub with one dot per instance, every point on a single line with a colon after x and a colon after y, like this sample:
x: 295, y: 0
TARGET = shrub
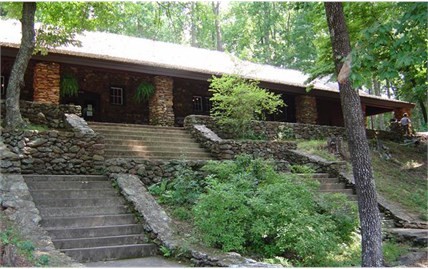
x: 236, y: 102
x: 251, y: 208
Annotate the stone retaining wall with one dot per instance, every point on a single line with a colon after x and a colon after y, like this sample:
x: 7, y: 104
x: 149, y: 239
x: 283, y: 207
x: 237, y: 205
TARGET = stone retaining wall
x: 56, y: 152
x: 273, y: 130
x: 150, y: 172
x: 50, y: 115
x: 227, y: 149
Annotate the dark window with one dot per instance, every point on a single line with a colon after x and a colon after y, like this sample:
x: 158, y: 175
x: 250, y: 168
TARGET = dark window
x: 116, y: 96
x: 207, y: 104
x: 197, y: 104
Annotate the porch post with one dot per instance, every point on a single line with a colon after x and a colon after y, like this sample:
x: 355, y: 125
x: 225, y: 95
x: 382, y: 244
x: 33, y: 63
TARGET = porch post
x: 46, y: 83
x: 161, y: 110
x: 306, y: 109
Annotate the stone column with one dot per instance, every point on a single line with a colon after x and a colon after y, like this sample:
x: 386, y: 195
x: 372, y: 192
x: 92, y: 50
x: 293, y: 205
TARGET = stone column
x: 161, y: 111
x: 306, y: 109
x: 46, y: 83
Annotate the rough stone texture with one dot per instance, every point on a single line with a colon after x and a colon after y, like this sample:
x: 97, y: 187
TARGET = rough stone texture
x: 9, y: 161
x: 46, y: 82
x: 306, y: 109
x: 273, y: 130
x: 47, y: 114
x: 78, y: 124
x: 149, y: 171
x: 19, y: 207
x: 228, y: 149
x: 158, y: 223
x: 56, y: 152
x: 161, y: 103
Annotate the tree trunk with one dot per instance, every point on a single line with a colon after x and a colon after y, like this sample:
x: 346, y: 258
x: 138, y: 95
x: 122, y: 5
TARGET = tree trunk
x: 423, y: 110
x: 219, y: 40
x: 16, y: 80
x: 360, y: 155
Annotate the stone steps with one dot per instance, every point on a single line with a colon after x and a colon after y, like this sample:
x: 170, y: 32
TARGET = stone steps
x: 149, y: 142
x: 87, y: 219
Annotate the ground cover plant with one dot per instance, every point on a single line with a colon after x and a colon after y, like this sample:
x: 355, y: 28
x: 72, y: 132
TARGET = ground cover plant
x: 246, y: 206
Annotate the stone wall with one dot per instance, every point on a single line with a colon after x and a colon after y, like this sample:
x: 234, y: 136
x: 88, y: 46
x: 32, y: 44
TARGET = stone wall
x: 50, y: 115
x: 56, y: 152
x: 46, y: 83
x: 273, y: 130
x: 9, y: 161
x: 306, y: 109
x: 161, y: 103
x: 150, y: 172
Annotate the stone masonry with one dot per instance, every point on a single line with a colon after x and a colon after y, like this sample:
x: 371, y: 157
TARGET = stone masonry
x: 46, y: 83
x: 306, y: 109
x: 161, y: 103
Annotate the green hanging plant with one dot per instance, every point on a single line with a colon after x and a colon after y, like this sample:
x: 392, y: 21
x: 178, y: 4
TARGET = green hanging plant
x: 144, y: 91
x: 69, y: 86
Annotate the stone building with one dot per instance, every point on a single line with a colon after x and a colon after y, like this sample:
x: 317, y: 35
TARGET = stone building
x: 109, y: 68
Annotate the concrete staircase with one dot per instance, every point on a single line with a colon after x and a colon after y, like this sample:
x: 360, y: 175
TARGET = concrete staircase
x: 333, y: 185
x: 87, y: 219
x: 148, y: 142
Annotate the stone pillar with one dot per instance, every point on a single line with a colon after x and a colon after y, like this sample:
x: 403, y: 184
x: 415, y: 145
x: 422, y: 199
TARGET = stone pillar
x: 398, y: 112
x: 46, y: 83
x: 161, y: 111
x: 306, y: 109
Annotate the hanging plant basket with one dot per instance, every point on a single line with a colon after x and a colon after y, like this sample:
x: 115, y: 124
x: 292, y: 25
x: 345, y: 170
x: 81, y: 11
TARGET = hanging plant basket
x: 69, y: 86
x: 144, y: 91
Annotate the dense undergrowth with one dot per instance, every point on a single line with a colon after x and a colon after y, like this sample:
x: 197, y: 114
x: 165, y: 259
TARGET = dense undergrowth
x: 246, y: 206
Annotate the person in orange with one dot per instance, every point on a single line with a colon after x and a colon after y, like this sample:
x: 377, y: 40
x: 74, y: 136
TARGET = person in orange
x: 405, y: 124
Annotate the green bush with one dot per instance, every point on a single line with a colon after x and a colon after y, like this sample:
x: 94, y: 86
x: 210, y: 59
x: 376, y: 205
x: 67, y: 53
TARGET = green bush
x: 251, y: 208
x: 301, y: 169
x: 236, y: 102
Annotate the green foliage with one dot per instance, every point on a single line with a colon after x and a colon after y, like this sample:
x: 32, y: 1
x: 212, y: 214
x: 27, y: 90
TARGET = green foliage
x: 316, y: 147
x: 285, y: 132
x: 144, y: 91
x: 182, y: 213
x: 301, y: 169
x: 43, y: 261
x: 166, y: 252
x: 251, y: 208
x: 236, y: 102
x: 69, y: 86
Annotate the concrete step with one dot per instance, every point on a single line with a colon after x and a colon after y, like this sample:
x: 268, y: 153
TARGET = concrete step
x: 48, y: 212
x: 130, y: 125
x: 314, y: 175
x: 111, y: 252
x: 155, y: 154
x: 157, y: 148
x: 72, y: 193
x: 332, y: 186
x: 143, y: 132
x: 85, y: 202
x: 169, y: 143
x: 80, y: 178
x: 68, y: 185
x: 87, y: 221
x: 344, y: 191
x: 154, y: 139
x: 84, y: 232
x: 100, y: 241
x: 328, y: 180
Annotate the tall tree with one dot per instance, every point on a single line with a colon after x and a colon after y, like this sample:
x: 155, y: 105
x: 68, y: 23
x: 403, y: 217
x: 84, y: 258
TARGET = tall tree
x: 358, y: 145
x: 16, y: 80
